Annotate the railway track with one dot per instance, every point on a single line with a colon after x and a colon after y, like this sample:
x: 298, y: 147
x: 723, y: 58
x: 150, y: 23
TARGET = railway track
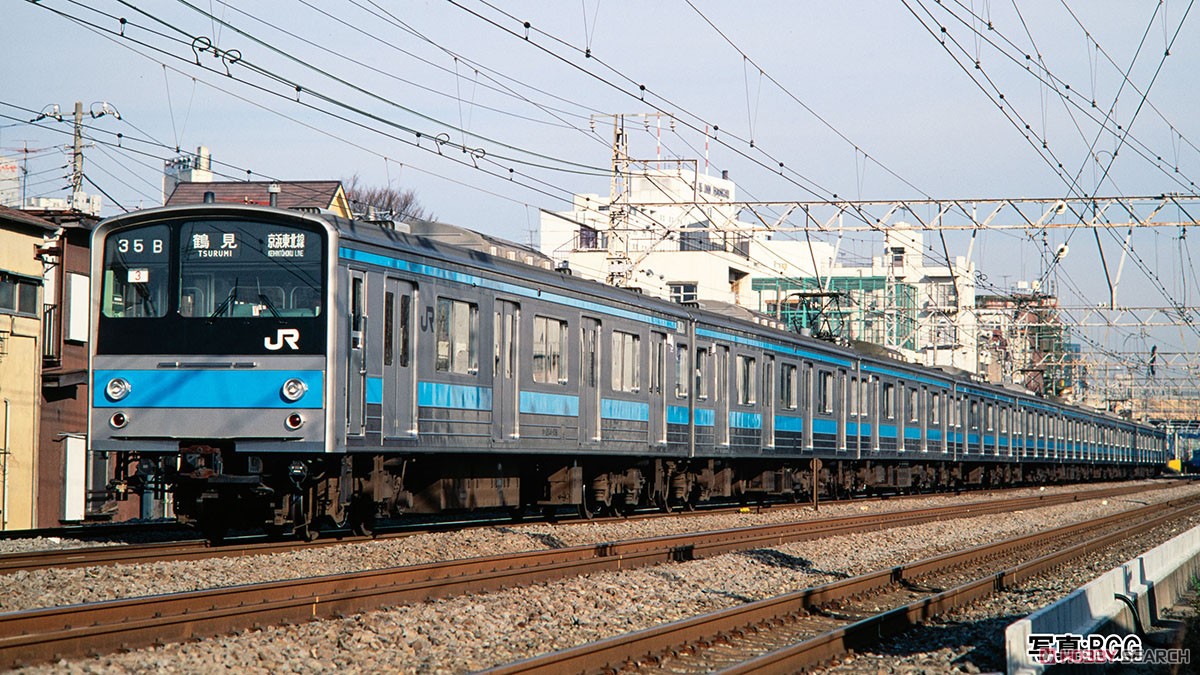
x: 801, y: 630
x: 61, y: 632
x: 199, y: 549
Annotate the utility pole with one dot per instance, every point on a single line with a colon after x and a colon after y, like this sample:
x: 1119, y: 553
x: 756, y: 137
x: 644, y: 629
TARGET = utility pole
x: 77, y: 173
x: 619, y: 267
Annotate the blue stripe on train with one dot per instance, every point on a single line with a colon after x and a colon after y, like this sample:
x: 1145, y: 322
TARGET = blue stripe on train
x: 745, y: 420
x: 504, y: 287
x: 374, y: 393
x: 458, y: 396
x: 785, y: 423
x: 208, y: 388
x: 630, y: 411
x: 540, y: 403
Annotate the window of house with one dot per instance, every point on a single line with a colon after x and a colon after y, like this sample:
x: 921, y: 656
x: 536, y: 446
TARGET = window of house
x: 747, y: 380
x: 626, y: 367
x: 18, y: 295
x: 549, y: 350
x: 457, y: 329
x: 683, y: 291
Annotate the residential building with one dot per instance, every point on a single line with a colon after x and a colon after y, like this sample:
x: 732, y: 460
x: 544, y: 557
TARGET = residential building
x: 679, y: 236
x: 20, y: 365
x: 325, y: 195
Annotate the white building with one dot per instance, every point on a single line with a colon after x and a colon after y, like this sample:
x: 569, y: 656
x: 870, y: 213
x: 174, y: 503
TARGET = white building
x: 186, y: 168
x: 698, y: 249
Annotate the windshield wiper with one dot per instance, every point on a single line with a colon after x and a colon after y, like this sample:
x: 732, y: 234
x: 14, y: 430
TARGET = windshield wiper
x: 270, y: 306
x: 225, y: 304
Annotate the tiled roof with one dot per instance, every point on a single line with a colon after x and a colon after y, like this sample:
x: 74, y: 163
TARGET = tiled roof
x: 16, y: 216
x: 314, y: 194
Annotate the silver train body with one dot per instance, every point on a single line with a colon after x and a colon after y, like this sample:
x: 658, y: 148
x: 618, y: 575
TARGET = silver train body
x: 284, y: 369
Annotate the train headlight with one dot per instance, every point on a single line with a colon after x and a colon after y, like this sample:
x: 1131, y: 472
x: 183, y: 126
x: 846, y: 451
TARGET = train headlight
x: 117, y: 388
x: 293, y: 389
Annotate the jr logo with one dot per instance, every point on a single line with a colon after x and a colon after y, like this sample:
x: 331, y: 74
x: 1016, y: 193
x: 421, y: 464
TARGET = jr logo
x: 288, y: 336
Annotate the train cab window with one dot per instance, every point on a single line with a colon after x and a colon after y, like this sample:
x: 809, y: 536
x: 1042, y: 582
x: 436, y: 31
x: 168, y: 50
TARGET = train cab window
x: 626, y: 362
x: 549, y: 350
x: 889, y: 401
x: 457, y: 328
x: 825, y: 392
x: 935, y: 410
x: 788, y: 386
x: 136, y: 273
x: 702, y: 373
x: 681, y: 371
x: 747, y: 380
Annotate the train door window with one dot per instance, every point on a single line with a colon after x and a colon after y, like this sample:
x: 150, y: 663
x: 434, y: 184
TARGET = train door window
x: 973, y: 415
x: 357, y: 300
x: 404, y: 326
x: 747, y: 380
x: 658, y: 362
x: 389, y: 301
x: 806, y: 387
x: 626, y: 353
x: 589, y: 364
x: 549, y: 350
x: 925, y: 420
x: 914, y: 408
x: 935, y: 409
x: 788, y: 386
x: 889, y: 401
x: 681, y: 371
x: 825, y: 392
x: 457, y: 328
x: 702, y: 373
x: 864, y: 407
x: 852, y: 403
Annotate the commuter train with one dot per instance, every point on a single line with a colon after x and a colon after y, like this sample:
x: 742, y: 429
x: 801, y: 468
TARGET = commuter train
x: 283, y: 370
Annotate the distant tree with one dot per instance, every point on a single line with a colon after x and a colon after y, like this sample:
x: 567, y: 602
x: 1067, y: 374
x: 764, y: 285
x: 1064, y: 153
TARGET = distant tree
x: 387, y: 201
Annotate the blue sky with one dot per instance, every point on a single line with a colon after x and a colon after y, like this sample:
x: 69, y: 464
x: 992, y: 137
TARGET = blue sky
x: 898, y: 115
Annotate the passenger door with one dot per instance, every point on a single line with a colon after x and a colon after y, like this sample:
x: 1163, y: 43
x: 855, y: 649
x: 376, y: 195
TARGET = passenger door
x: 657, y: 433
x: 399, y: 375
x: 505, y: 374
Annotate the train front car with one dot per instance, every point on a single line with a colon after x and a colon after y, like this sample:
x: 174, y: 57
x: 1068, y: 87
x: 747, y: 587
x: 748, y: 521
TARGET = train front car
x: 209, y: 363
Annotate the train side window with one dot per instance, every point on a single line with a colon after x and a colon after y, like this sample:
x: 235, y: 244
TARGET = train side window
x: 702, y: 373
x: 787, y: 386
x: 626, y: 368
x: 747, y: 380
x: 549, y: 350
x: 681, y: 371
x: 457, y: 328
x: 889, y: 400
x: 825, y: 392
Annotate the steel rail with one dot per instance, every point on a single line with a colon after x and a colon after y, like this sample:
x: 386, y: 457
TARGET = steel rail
x: 196, y: 549
x: 627, y: 651
x: 50, y: 634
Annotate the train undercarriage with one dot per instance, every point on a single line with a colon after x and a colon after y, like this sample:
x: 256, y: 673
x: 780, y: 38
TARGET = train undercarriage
x: 216, y: 489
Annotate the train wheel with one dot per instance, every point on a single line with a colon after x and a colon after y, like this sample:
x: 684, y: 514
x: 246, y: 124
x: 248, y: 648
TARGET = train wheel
x: 517, y: 513
x: 214, y: 529
x: 307, y: 532
x: 362, y: 517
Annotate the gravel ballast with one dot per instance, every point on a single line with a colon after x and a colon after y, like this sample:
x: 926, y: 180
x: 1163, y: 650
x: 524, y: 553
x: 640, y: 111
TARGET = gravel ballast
x: 472, y: 632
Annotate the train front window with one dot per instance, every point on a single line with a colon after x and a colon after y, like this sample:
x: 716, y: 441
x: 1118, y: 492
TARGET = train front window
x: 137, y: 264
x: 237, y: 269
